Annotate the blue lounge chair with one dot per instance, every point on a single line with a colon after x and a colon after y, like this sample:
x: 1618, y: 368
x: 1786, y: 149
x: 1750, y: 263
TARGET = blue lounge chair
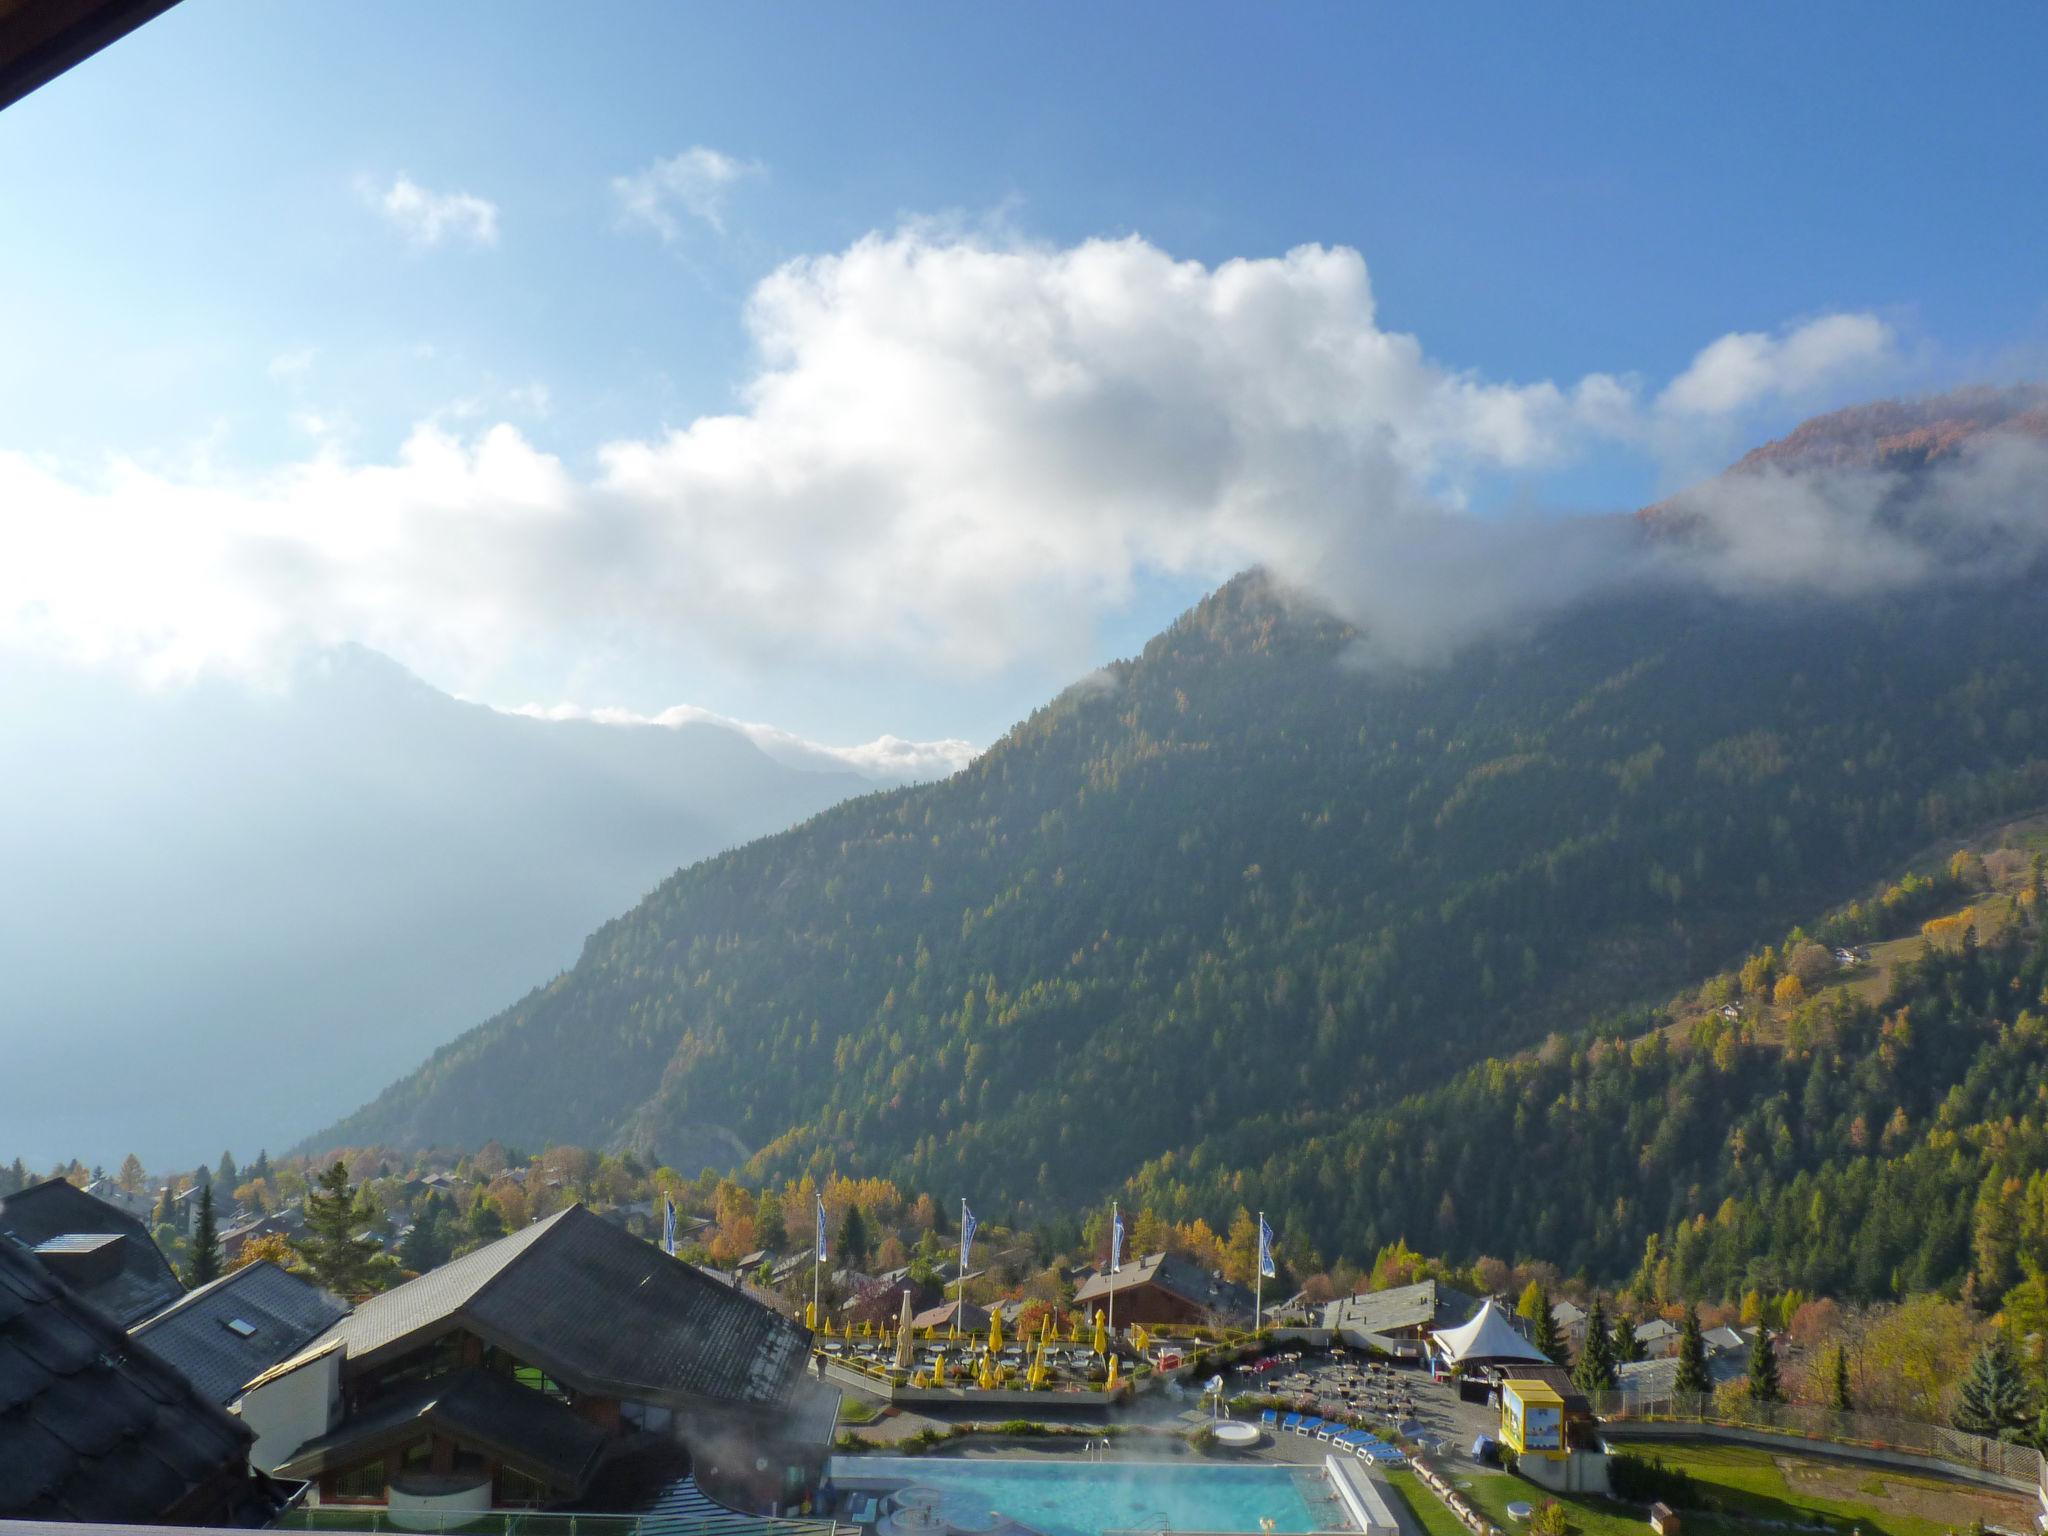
x: 1308, y: 1427
x: 1349, y: 1439
x: 1291, y: 1422
x: 1269, y: 1418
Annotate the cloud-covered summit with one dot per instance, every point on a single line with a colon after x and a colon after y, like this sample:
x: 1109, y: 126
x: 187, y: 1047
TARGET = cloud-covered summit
x: 955, y: 451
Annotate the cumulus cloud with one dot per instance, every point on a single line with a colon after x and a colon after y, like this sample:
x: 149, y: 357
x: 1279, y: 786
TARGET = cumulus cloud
x: 1748, y: 368
x: 693, y: 184
x: 955, y: 451
x: 428, y: 218
x: 892, y: 759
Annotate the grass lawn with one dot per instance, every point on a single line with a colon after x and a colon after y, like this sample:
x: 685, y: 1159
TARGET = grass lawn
x: 1426, y: 1507
x: 1752, y: 1491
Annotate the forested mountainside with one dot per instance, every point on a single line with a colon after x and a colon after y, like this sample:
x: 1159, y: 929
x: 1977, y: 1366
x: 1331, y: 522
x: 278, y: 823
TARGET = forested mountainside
x: 1884, y: 1134
x: 1245, y: 877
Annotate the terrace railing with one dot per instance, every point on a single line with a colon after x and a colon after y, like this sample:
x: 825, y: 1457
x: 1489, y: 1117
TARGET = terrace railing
x: 2019, y: 1464
x: 548, y: 1523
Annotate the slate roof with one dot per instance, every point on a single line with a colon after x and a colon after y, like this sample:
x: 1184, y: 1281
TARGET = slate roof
x: 537, y: 1434
x: 142, y: 1284
x: 1175, y: 1276
x: 599, y: 1309
x: 1425, y: 1304
x: 194, y: 1334
x: 92, y: 1425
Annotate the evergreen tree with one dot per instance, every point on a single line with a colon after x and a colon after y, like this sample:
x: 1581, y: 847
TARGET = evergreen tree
x: 1838, y: 1391
x: 205, y: 1263
x: 1692, y: 1379
x: 1543, y: 1328
x: 260, y: 1169
x: 854, y: 1242
x: 227, y: 1175
x: 1626, y: 1347
x: 1595, y: 1369
x: 338, y: 1258
x: 1993, y: 1399
x: 1763, y: 1370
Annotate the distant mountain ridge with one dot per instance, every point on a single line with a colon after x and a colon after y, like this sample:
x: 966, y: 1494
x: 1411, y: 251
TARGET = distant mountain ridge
x: 1906, y: 434
x: 297, y: 892
x: 1239, y: 880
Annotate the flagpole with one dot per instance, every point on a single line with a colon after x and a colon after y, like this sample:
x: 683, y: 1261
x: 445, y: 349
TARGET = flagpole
x: 817, y: 1265
x: 1113, y: 1266
x: 960, y: 1285
x: 1259, y: 1276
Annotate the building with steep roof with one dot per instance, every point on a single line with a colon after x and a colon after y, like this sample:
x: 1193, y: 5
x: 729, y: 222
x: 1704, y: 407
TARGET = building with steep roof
x: 99, y: 1251
x: 1163, y: 1288
x: 94, y: 1426
x: 1400, y: 1318
x: 226, y: 1334
x: 506, y: 1378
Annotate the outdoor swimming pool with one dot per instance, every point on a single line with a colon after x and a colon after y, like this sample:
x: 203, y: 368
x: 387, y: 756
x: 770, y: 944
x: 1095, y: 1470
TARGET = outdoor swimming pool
x: 1092, y: 1498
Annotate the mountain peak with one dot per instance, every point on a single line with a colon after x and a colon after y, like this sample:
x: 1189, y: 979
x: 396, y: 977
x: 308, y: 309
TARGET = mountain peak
x: 1905, y: 434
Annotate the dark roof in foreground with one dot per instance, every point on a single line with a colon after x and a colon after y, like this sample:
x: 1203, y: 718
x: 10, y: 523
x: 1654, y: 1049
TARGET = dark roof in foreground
x: 40, y: 39
x: 92, y: 1425
x: 536, y: 1434
x: 140, y: 1285
x: 226, y: 1334
x: 599, y: 1309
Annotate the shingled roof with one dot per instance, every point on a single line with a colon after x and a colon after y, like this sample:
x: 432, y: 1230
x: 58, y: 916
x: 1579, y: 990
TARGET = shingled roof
x: 94, y: 1426
x: 600, y: 1310
x: 129, y: 1282
x: 224, y: 1335
x: 1174, y: 1275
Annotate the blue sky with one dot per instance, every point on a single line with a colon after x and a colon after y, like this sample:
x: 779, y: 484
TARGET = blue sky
x: 202, y: 280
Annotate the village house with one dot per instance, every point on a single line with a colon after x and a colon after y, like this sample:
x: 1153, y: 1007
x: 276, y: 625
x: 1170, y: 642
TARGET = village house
x: 1399, y: 1319
x: 1658, y: 1338
x: 101, y: 1253
x: 1163, y: 1288
x: 507, y: 1377
x: 233, y: 1330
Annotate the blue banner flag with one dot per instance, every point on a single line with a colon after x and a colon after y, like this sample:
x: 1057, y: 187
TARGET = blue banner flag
x: 1116, y: 1242
x: 1266, y: 1266
x: 967, y: 1226
x: 822, y: 1255
x: 668, y: 1229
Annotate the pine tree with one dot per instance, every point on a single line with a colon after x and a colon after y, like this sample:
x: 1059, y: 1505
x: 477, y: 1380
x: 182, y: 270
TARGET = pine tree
x: 1692, y: 1379
x: 227, y: 1175
x: 1993, y: 1399
x: 854, y: 1242
x: 1763, y: 1370
x: 131, y: 1178
x: 1595, y: 1369
x: 205, y: 1265
x: 338, y: 1258
x: 1627, y: 1347
x: 1838, y: 1393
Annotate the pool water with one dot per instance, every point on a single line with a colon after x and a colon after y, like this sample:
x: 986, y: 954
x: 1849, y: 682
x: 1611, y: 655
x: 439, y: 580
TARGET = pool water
x: 1092, y: 1498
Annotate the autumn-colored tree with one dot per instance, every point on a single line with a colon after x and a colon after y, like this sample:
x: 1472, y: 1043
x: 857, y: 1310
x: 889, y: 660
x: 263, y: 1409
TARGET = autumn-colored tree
x: 273, y: 1246
x: 1789, y: 991
x: 131, y: 1178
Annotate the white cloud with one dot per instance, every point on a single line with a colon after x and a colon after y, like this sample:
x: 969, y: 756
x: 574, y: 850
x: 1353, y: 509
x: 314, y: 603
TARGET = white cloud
x: 956, y: 452
x: 886, y: 757
x: 694, y: 184
x: 428, y: 218
x: 1748, y: 367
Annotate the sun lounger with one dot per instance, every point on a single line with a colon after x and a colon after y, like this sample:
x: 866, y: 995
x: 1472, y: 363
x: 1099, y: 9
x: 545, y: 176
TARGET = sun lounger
x: 1308, y: 1426
x: 1291, y: 1423
x: 1269, y: 1418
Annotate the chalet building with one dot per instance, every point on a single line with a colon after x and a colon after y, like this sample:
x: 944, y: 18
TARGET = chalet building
x: 1162, y: 1288
x: 100, y: 1252
x: 508, y: 1377
x: 1399, y: 1319
x: 231, y: 1331
x: 1658, y: 1338
x: 941, y: 1318
x: 881, y: 1303
x: 93, y: 1426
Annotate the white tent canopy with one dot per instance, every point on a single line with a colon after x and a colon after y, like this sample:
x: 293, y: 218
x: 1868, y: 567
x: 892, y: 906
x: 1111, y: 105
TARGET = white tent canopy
x: 1486, y: 1338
